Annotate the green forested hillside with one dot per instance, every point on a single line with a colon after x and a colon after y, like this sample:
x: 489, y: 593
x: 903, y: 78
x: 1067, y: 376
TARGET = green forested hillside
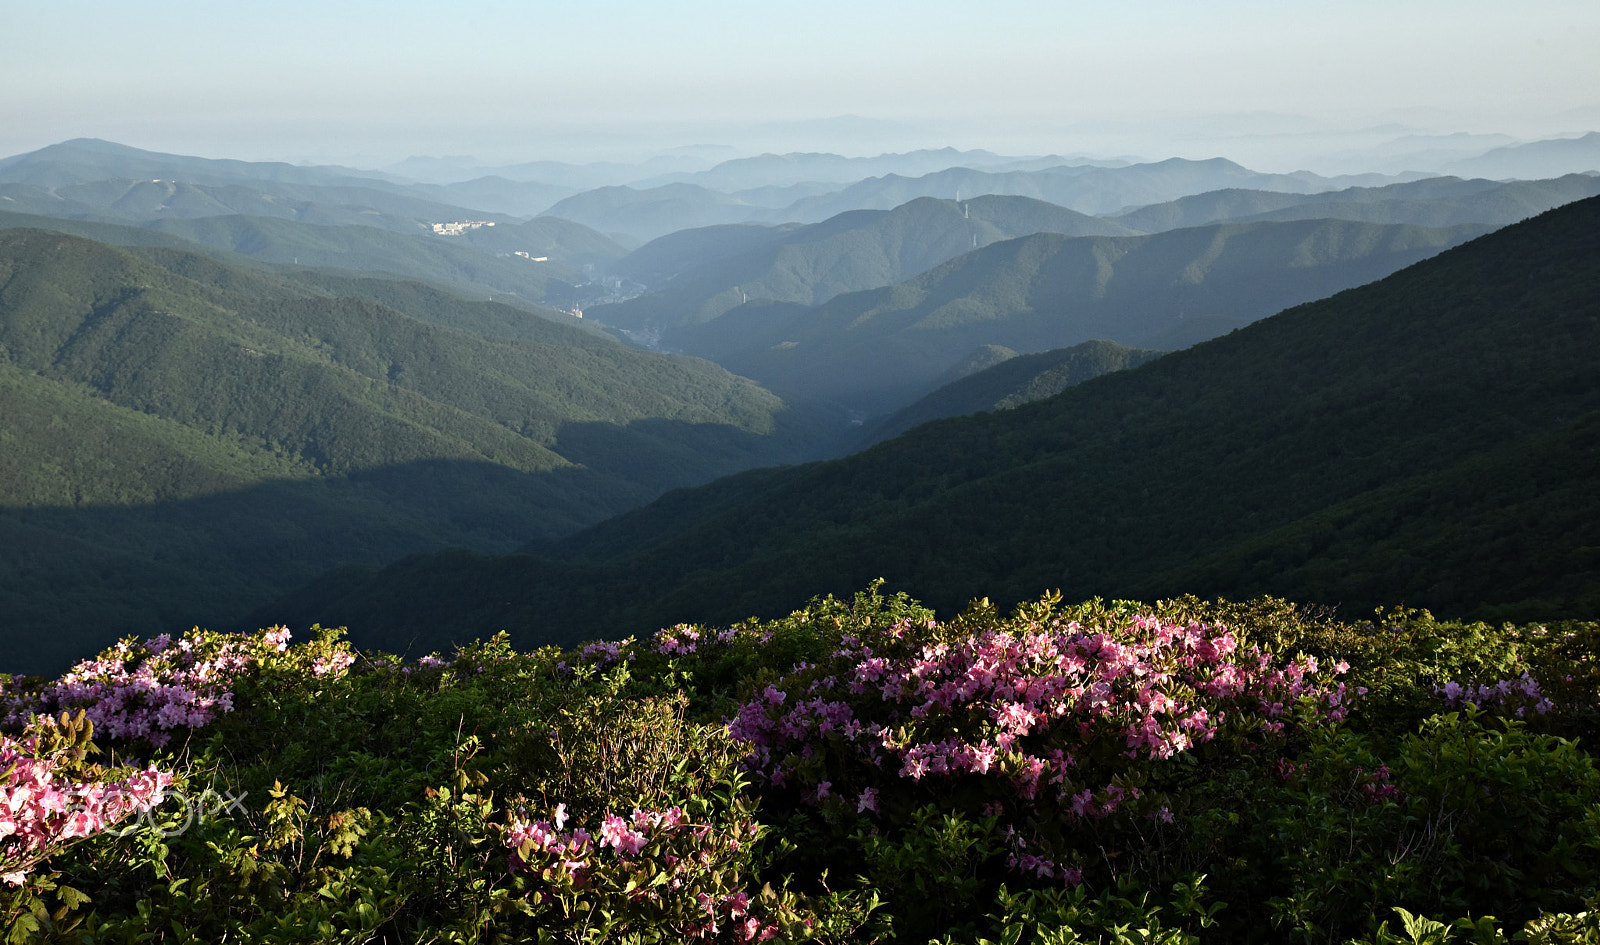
x: 1428, y: 439
x: 137, y: 201
x: 878, y: 350
x: 117, y: 234
x: 443, y: 260
x: 162, y: 406
x: 480, y: 265
x: 859, y: 250
x: 356, y: 246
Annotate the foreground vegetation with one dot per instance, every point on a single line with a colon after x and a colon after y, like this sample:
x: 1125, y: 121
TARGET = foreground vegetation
x: 858, y: 771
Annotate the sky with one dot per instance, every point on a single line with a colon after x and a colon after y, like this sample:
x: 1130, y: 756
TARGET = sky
x: 366, y: 83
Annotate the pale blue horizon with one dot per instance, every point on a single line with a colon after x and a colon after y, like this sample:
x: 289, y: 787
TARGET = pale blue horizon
x: 367, y: 84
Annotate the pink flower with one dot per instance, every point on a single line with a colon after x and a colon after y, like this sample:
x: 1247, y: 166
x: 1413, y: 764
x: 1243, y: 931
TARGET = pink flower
x: 615, y: 833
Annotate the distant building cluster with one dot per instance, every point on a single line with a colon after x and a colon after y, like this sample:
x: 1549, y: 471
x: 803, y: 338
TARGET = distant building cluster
x: 456, y: 229
x: 530, y: 255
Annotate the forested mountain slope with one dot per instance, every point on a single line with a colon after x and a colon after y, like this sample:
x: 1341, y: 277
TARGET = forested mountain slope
x: 1429, y: 438
x: 185, y: 438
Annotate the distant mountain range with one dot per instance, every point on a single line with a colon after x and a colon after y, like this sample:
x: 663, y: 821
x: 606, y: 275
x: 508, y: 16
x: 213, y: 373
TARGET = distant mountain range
x: 811, y: 264
x: 768, y: 170
x: 1435, y: 201
x: 877, y: 350
x: 86, y: 160
x: 646, y: 213
x: 1429, y: 439
x: 1549, y: 158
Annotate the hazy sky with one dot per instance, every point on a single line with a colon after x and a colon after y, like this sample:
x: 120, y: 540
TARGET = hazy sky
x: 370, y: 83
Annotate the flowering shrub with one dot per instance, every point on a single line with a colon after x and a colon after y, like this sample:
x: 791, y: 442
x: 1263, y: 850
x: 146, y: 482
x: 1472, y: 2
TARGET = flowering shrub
x: 46, y: 805
x: 51, y: 799
x: 854, y: 772
x: 665, y: 871
x: 1516, y: 695
x: 1044, y: 717
x: 145, y: 690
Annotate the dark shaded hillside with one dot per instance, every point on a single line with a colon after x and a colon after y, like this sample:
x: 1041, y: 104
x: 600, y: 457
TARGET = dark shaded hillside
x: 212, y: 402
x: 853, y: 251
x: 878, y: 350
x: 1429, y: 438
x: 1015, y: 381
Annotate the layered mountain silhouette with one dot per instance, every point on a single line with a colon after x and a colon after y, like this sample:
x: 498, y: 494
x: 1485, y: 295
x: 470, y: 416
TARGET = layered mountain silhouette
x: 812, y: 264
x: 1548, y: 158
x: 648, y: 212
x: 1428, y: 439
x: 1435, y: 201
x: 878, y: 350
